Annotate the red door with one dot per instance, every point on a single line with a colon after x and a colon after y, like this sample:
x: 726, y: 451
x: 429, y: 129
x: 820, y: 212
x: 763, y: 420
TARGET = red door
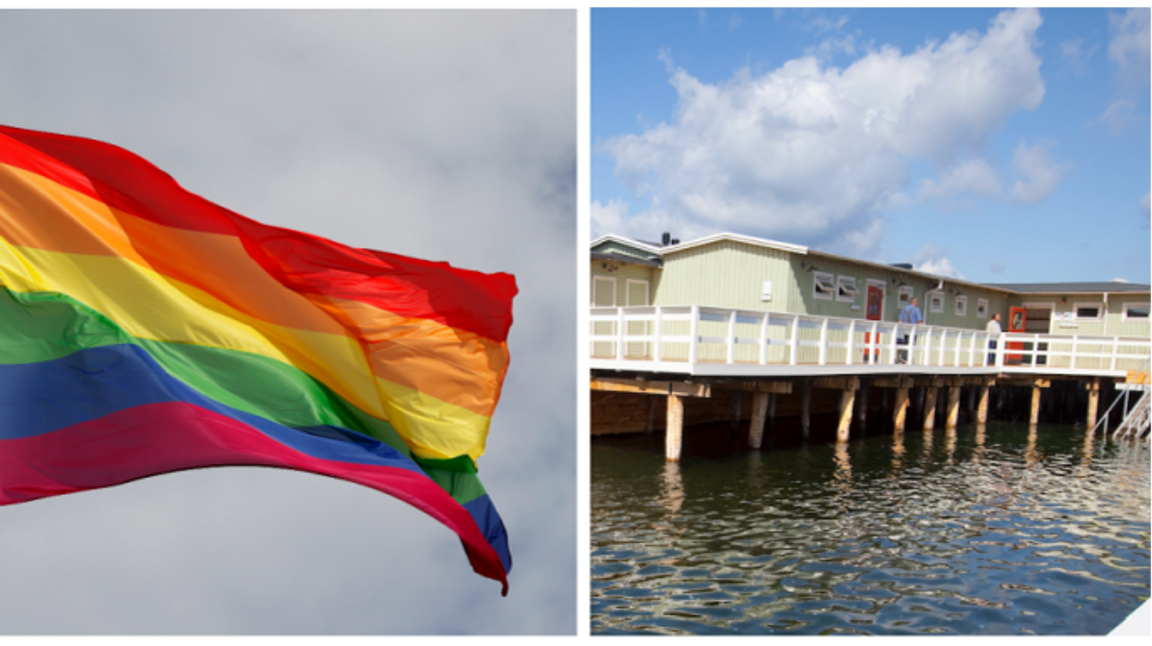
x: 872, y: 313
x: 1016, y: 318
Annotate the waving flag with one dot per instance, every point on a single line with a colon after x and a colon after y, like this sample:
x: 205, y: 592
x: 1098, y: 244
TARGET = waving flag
x: 144, y: 329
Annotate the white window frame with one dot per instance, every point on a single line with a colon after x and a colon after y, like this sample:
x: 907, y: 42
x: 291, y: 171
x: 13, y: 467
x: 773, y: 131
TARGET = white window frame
x: 933, y: 307
x: 823, y: 290
x: 1099, y: 305
x: 981, y: 308
x: 628, y: 292
x: 846, y: 290
x: 904, y: 296
x: 1128, y: 306
x: 610, y: 279
x: 961, y: 305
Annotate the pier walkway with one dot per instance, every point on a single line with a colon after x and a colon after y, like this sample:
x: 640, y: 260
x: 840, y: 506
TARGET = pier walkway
x: 686, y: 350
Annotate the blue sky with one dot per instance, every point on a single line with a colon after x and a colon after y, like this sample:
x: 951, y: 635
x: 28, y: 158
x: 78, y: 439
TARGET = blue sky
x: 984, y: 144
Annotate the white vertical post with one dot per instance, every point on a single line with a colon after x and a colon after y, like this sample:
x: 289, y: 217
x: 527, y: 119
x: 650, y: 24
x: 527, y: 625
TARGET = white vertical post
x: 943, y: 347
x: 1001, y: 345
x: 1072, y: 363
x: 875, y: 345
x: 694, y: 331
x: 732, y: 337
x: 794, y: 342
x: 927, y: 346
x: 657, y: 352
x: 972, y: 351
x: 1115, y: 350
x: 851, y: 340
x: 764, y: 339
x: 619, y: 333
x: 823, y: 340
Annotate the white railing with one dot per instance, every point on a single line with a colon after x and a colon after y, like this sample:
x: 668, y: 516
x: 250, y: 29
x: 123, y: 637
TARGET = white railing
x: 708, y: 335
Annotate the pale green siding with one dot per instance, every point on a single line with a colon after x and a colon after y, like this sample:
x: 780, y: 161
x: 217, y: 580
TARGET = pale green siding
x: 725, y: 274
x: 620, y: 277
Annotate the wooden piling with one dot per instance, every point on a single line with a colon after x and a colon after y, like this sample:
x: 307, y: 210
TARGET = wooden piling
x: 1034, y: 414
x: 862, y: 414
x: 900, y: 410
x: 737, y: 399
x: 1093, y: 401
x: 847, y: 397
x: 982, y: 408
x: 953, y: 407
x: 674, y: 430
x: 805, y: 408
x: 929, y: 407
x: 759, y: 413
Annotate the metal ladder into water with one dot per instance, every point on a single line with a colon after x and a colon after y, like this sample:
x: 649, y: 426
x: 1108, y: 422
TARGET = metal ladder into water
x: 1138, y: 419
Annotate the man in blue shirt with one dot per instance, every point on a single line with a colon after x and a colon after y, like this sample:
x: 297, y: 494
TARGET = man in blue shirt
x: 911, y: 315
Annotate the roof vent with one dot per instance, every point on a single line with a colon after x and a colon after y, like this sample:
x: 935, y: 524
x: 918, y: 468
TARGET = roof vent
x: 675, y: 240
x: 664, y: 241
x: 901, y: 265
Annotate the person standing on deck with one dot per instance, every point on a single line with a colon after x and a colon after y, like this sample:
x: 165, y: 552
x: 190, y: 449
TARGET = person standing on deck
x: 993, y: 327
x: 911, y: 315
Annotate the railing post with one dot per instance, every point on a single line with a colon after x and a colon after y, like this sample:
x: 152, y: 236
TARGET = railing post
x: 1000, y: 347
x: 943, y: 347
x: 875, y: 349
x: 764, y: 339
x: 659, y: 330
x: 794, y: 342
x: 927, y: 346
x: 731, y: 337
x: 1072, y: 361
x: 972, y: 350
x: 823, y: 341
x: 620, y: 333
x: 694, y: 330
x: 851, y: 340
x: 1115, y: 350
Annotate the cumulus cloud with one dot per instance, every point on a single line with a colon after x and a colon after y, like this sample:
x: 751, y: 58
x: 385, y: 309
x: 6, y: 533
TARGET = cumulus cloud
x: 1145, y: 209
x: 1075, y: 55
x: 932, y: 260
x: 1129, y: 47
x: 812, y: 154
x: 1118, y: 115
x: 1040, y: 173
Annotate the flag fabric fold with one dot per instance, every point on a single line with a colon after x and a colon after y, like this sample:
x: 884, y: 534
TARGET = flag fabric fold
x: 144, y: 329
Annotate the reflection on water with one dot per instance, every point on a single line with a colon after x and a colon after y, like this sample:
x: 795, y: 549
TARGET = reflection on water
x: 1001, y: 529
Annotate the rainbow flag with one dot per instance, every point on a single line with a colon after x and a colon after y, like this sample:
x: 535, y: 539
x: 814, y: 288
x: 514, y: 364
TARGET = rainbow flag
x: 144, y: 329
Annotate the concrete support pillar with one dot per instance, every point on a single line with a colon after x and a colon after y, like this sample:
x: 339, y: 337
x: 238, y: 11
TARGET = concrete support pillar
x: 982, y: 408
x: 805, y: 408
x: 847, y: 398
x: 900, y: 410
x: 953, y: 407
x: 1035, y: 415
x: 1093, y: 401
x: 675, y: 429
x: 930, y: 407
x: 759, y: 414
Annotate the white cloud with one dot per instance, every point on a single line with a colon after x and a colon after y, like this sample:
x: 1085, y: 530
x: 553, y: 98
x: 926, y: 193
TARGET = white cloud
x: 1120, y: 114
x: 1145, y: 208
x: 1041, y: 174
x: 1129, y: 47
x: 811, y: 154
x: 1074, y: 54
x: 932, y: 260
x: 970, y: 177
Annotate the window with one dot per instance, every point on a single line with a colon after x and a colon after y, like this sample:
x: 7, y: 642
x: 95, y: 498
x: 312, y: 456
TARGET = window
x: 1136, y: 311
x: 1088, y: 311
x: 936, y: 302
x: 904, y: 296
x: 846, y: 289
x: 822, y: 286
x: 961, y: 306
x: 982, y: 308
x: 603, y: 291
x: 636, y: 292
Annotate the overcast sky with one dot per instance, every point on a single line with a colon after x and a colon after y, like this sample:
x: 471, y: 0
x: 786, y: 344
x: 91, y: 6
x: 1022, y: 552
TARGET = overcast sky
x: 986, y: 144
x: 441, y: 135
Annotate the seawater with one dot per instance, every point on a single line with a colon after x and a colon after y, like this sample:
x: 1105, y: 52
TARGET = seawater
x: 1003, y: 529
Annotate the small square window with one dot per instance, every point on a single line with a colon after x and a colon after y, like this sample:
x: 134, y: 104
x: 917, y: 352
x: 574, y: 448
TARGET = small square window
x: 1088, y: 311
x: 904, y: 296
x: 846, y: 289
x: 936, y: 302
x: 961, y: 306
x: 1136, y: 311
x: 823, y: 287
x: 982, y: 308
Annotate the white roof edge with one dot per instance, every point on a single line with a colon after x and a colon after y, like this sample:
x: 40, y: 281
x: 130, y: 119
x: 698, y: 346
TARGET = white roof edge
x: 758, y: 242
x: 625, y: 241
